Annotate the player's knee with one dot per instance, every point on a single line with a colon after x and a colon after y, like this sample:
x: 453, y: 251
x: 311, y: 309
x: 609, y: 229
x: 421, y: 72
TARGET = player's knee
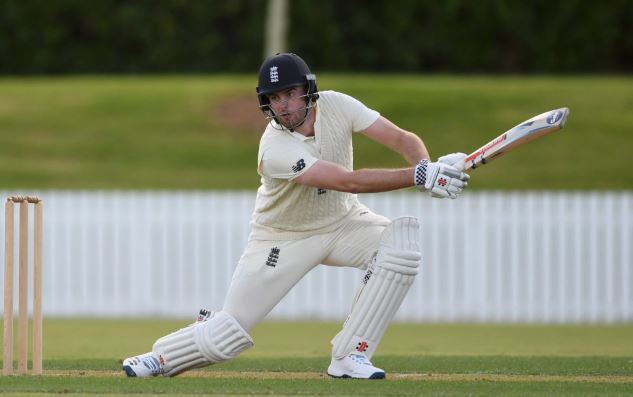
x: 399, y: 249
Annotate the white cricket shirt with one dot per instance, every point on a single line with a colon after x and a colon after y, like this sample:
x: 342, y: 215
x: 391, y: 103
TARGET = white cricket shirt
x: 285, y: 210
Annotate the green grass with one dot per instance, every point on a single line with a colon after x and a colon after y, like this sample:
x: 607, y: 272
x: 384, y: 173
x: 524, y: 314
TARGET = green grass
x: 165, y: 132
x: 82, y: 357
x: 90, y: 385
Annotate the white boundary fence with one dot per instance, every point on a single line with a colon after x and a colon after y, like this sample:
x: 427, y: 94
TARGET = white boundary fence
x: 499, y: 257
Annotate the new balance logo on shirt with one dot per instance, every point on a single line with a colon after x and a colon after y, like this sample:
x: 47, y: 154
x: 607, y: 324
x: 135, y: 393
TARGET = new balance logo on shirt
x: 301, y: 164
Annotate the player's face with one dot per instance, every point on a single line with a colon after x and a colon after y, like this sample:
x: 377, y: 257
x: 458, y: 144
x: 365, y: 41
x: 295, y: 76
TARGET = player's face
x: 289, y: 106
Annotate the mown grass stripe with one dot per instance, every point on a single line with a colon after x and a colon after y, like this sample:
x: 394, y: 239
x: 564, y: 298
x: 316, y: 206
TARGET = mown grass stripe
x: 263, y: 375
x: 508, y: 365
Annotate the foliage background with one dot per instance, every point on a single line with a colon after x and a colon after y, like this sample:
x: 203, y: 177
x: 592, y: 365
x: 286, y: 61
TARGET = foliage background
x: 178, y: 36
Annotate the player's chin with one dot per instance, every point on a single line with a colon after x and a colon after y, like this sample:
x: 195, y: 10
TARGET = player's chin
x: 288, y: 122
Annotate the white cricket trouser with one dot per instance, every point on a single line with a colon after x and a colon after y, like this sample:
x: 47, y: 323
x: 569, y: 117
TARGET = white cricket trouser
x: 268, y: 269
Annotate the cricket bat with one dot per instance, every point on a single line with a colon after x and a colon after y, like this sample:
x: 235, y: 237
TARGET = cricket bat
x: 527, y: 131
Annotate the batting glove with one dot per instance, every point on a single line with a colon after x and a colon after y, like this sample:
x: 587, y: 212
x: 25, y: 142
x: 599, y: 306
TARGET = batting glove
x: 452, y: 159
x: 439, y: 179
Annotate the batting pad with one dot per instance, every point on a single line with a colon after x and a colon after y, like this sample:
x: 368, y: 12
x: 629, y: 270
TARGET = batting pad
x: 390, y: 276
x: 220, y: 338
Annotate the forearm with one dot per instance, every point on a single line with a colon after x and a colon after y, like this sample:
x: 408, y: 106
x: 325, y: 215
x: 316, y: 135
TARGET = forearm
x: 332, y: 176
x: 376, y: 180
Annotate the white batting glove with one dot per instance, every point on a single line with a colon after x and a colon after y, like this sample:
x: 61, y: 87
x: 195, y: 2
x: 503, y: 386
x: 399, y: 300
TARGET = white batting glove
x: 452, y: 159
x: 440, y: 179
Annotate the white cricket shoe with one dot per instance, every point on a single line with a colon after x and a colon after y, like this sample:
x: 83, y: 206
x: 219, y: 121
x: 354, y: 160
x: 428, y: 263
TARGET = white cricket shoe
x: 142, y: 366
x: 354, y: 365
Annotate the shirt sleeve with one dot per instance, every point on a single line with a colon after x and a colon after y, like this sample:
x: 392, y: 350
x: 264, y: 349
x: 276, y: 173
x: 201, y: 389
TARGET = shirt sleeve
x: 285, y: 161
x: 361, y: 116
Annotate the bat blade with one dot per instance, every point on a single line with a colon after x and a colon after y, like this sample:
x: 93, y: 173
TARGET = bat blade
x: 527, y: 131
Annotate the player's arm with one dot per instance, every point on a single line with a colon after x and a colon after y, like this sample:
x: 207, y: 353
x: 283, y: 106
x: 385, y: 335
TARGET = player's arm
x: 440, y: 179
x: 406, y: 143
x: 327, y: 175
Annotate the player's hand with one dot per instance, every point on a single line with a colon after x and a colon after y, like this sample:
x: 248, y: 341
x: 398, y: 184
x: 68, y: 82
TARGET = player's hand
x: 440, y: 179
x: 453, y: 159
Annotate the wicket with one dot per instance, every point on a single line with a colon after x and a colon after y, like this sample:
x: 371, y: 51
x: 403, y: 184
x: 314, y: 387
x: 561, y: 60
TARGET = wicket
x: 23, y: 282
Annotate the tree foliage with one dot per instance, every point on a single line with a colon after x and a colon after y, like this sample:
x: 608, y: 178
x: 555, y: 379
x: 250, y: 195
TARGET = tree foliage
x: 180, y: 36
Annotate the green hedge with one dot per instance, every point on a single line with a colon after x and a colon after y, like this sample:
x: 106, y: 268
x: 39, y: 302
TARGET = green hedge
x: 178, y: 36
x: 140, y: 36
x: 532, y: 36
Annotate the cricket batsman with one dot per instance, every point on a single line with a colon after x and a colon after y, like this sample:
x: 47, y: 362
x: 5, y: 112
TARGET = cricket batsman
x: 307, y: 213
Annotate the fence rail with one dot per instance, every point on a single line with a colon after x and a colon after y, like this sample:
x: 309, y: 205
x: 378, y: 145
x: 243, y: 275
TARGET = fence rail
x: 489, y: 256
